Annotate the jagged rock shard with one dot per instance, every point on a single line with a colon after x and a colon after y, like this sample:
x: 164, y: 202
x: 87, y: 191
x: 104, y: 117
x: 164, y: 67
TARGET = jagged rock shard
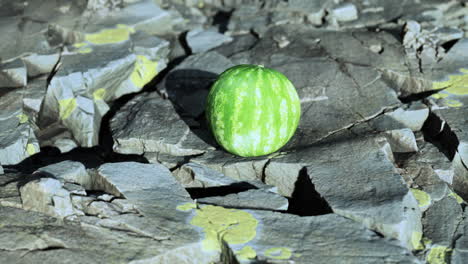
x: 13, y: 74
x: 354, y: 177
x: 148, y: 123
x: 17, y: 138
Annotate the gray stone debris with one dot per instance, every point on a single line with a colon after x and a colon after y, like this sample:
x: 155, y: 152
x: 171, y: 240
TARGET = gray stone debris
x: 353, y: 177
x: 459, y: 254
x: 200, y: 40
x: 68, y: 172
x: 148, y: 123
x: 13, y: 74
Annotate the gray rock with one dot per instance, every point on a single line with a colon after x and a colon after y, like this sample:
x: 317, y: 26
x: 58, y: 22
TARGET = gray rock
x: 47, y: 195
x: 17, y: 138
x: 13, y: 74
x: 200, y: 40
x: 401, y: 140
x: 30, y: 237
x: 238, y: 44
x: 441, y: 220
x: 148, y: 123
x: 9, y: 193
x: 344, y: 13
x: 250, y: 199
x: 196, y: 175
x: 37, y: 64
x: 187, y: 85
x: 68, y: 172
x: 459, y: 254
x: 233, y: 166
x: 353, y: 177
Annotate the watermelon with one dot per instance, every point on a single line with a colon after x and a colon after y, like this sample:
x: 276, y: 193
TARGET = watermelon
x: 252, y: 110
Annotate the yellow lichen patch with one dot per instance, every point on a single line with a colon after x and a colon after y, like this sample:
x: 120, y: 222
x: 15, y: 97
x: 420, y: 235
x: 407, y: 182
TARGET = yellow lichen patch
x: 31, y: 149
x: 456, y: 84
x: 85, y: 50
x: 422, y: 197
x: 452, y: 103
x: 99, y: 94
x: 416, y: 240
x: 79, y: 45
x: 66, y: 107
x: 144, y: 71
x: 440, y: 95
x: 231, y: 225
x: 246, y: 253
x: 278, y: 253
x: 437, y: 255
x: 457, y: 197
x: 186, y: 207
x: 109, y: 36
x: 22, y: 118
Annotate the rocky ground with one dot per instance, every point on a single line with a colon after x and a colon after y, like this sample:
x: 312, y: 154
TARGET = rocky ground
x: 105, y: 156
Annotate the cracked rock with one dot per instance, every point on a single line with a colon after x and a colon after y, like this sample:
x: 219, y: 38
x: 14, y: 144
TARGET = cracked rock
x: 148, y: 123
x: 250, y: 199
x: 364, y: 175
x: 200, y: 40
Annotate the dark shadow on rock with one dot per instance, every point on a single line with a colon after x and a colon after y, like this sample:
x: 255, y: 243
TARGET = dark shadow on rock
x: 305, y: 200
x: 89, y: 157
x: 445, y: 140
x: 197, y: 193
x: 188, y: 90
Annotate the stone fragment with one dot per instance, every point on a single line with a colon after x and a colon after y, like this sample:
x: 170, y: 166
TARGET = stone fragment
x: 250, y: 199
x: 37, y: 64
x: 68, y: 172
x: 232, y: 166
x: 441, y: 220
x: 148, y: 123
x: 195, y: 175
x: 344, y: 13
x: 200, y: 40
x: 401, y: 140
x: 48, y: 196
x: 348, y: 165
x: 460, y: 249
x: 188, y: 84
x: 17, y: 138
x: 13, y: 74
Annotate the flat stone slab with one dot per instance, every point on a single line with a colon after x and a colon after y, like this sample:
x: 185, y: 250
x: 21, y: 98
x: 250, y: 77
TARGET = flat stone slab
x: 354, y: 177
x: 148, y: 123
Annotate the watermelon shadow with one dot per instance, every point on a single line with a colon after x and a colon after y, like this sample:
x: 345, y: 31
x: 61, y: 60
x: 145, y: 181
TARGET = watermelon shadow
x: 188, y: 89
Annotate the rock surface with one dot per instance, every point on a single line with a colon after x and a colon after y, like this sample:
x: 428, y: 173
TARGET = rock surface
x: 106, y: 157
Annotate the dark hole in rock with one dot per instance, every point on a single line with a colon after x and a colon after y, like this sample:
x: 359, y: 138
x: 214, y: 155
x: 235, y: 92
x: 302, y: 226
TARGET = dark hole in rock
x: 221, y: 19
x: 449, y: 44
x: 417, y: 96
x: 305, y: 200
x: 237, y: 187
x: 442, y: 137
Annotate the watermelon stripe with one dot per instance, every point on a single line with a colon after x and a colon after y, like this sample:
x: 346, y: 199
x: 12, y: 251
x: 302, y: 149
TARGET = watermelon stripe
x: 250, y: 110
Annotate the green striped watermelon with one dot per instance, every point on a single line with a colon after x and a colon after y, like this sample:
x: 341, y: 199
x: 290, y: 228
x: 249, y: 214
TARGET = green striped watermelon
x: 252, y: 110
